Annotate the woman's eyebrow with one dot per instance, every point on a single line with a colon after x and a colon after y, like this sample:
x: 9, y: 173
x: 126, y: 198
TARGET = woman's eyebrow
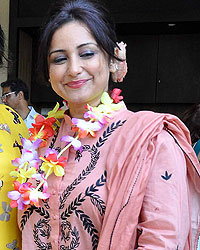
x: 79, y: 46
x: 85, y: 44
x: 56, y: 51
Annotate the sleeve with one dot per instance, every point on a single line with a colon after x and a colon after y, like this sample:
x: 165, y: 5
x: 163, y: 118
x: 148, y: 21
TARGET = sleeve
x: 164, y: 219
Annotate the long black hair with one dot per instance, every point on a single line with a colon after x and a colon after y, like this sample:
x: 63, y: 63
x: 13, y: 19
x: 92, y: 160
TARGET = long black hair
x: 93, y: 14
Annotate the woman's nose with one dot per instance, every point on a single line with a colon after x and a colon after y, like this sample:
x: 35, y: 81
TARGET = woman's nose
x: 74, y: 67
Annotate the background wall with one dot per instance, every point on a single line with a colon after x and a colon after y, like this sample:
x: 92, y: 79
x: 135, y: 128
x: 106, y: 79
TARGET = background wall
x: 163, y: 51
x: 4, y: 21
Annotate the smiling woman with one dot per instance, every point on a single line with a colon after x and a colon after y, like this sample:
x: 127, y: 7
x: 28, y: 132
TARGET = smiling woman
x: 116, y: 179
x: 78, y: 70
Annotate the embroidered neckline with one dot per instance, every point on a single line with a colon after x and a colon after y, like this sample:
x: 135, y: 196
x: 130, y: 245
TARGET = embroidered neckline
x: 30, y: 166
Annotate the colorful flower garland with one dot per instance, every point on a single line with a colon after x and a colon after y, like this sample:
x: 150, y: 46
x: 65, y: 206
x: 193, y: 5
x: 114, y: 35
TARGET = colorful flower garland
x: 33, y: 171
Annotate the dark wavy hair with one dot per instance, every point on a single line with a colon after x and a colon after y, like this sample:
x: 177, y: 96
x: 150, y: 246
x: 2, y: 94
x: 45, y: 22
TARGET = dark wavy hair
x: 93, y: 14
x: 191, y: 118
x: 17, y: 85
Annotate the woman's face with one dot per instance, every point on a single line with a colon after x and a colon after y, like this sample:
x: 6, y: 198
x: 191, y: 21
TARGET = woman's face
x: 78, y: 68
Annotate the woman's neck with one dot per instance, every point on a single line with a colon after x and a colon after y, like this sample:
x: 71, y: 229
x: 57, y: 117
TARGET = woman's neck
x: 77, y: 110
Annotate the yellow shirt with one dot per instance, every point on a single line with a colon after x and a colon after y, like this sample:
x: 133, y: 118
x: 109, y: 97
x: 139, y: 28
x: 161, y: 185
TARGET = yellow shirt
x: 12, y: 127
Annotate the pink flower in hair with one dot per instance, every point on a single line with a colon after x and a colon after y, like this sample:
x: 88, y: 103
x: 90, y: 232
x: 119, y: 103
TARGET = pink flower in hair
x: 120, y: 67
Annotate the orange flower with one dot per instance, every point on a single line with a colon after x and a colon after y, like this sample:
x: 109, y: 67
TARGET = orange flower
x: 37, y: 133
x: 45, y: 124
x: 42, y: 129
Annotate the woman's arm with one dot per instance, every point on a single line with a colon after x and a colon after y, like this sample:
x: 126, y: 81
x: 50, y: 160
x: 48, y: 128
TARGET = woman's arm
x: 165, y: 217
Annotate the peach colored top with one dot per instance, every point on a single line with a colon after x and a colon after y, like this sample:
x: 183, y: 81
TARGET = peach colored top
x: 130, y: 188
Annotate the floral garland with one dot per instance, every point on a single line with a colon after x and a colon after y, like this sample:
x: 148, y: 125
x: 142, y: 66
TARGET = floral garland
x: 32, y: 171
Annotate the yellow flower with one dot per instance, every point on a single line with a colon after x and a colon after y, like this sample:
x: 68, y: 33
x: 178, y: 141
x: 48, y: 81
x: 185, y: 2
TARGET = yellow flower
x: 107, y: 105
x: 22, y: 174
x: 57, y: 114
x: 53, y: 164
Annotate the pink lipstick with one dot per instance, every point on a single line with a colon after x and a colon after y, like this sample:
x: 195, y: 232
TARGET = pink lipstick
x: 76, y: 84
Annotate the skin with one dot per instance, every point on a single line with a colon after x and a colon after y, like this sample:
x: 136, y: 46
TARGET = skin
x: 11, y: 100
x: 78, y: 68
x: 17, y: 102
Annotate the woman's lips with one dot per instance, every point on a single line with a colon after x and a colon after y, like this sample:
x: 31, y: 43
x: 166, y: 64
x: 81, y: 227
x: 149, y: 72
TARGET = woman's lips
x: 77, y: 84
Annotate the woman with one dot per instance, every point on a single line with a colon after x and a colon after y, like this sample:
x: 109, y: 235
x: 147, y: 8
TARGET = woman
x: 127, y: 181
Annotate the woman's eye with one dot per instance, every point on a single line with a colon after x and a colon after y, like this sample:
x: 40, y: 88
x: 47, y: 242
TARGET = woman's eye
x: 87, y: 54
x: 59, y: 60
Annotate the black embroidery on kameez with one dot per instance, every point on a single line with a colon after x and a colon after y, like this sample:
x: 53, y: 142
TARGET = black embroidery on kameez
x: 42, y: 230
x: 95, y: 154
x: 78, y: 155
x: 85, y: 219
x: 94, y: 158
x: 26, y: 215
x: 46, y: 203
x: 95, y: 199
x: 68, y: 233
x: 54, y: 138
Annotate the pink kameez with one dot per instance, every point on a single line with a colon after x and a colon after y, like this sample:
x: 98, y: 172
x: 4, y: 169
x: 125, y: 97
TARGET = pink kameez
x: 132, y: 187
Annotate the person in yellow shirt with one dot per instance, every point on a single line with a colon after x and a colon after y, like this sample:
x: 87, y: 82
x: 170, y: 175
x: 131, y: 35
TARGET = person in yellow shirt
x: 12, y: 129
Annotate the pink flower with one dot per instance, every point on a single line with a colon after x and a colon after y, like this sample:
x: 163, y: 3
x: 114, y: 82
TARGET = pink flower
x: 96, y: 114
x: 25, y: 194
x: 86, y: 127
x: 74, y: 142
x: 120, y: 67
x: 31, y: 146
x: 19, y: 195
x: 35, y: 195
x: 28, y: 158
x: 115, y: 95
x: 41, y: 178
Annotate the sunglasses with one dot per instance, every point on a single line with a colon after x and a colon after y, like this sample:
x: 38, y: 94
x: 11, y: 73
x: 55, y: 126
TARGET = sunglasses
x: 5, y: 96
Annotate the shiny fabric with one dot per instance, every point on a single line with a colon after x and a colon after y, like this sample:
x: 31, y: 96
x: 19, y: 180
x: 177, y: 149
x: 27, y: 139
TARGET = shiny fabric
x: 12, y: 128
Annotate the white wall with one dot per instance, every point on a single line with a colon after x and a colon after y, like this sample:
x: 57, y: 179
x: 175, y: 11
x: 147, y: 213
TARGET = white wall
x: 4, y: 21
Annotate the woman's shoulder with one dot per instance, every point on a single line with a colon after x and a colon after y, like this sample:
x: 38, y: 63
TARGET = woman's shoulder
x: 143, y: 117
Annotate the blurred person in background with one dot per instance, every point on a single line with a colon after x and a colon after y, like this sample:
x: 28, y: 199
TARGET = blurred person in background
x: 15, y: 94
x: 191, y: 118
x: 12, y: 129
